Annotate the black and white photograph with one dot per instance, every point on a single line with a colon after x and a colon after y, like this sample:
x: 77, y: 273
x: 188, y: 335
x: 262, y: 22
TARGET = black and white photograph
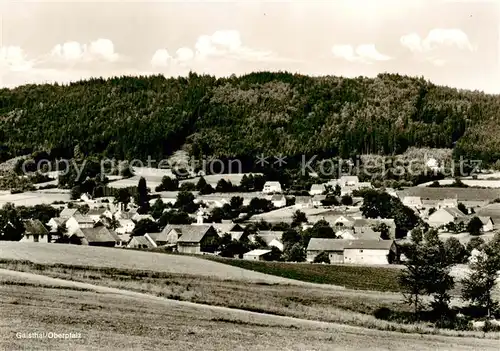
x: 250, y: 175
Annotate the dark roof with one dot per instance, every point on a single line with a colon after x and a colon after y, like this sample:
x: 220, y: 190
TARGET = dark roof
x: 82, y: 219
x: 34, y: 226
x: 96, y: 211
x: 317, y: 244
x: 193, y: 233
x: 95, y: 235
x: 142, y: 240
x: 68, y: 212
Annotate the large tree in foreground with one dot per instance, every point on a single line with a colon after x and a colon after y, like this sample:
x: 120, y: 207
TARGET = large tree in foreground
x: 478, y: 286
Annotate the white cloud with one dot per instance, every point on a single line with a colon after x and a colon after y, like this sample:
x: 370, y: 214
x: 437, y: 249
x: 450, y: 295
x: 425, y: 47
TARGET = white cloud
x: 13, y: 58
x: 184, y: 54
x: 100, y: 49
x: 160, y: 58
x: 365, y: 53
x: 436, y: 38
x: 222, y: 44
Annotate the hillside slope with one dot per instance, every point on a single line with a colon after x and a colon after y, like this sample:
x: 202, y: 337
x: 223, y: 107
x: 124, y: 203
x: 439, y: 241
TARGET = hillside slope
x: 264, y: 112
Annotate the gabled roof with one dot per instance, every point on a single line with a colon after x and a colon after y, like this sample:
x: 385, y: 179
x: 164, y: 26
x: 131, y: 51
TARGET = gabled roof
x: 374, y: 221
x: 34, y: 226
x: 95, y: 235
x: 258, y: 252
x: 68, y: 212
x: 272, y: 183
x: 321, y: 244
x: 269, y: 236
x: 96, y: 211
x: 226, y: 227
x: 193, y: 233
x: 142, y: 240
x: 59, y: 220
x: 485, y: 219
x: 455, y: 212
x: 158, y: 236
x: 370, y: 244
x: 318, y: 187
x: 82, y: 219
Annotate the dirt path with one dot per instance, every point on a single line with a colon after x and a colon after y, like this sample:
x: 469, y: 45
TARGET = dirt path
x: 341, y: 336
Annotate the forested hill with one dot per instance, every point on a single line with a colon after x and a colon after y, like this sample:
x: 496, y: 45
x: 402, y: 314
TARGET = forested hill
x: 268, y: 113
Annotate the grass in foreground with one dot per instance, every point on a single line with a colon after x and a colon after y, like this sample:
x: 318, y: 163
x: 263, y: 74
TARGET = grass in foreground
x: 351, y: 277
x: 313, y: 303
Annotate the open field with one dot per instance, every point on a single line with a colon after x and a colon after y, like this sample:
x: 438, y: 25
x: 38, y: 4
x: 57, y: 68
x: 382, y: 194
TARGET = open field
x: 129, y: 259
x: 33, y: 198
x: 353, y: 277
x: 115, y: 319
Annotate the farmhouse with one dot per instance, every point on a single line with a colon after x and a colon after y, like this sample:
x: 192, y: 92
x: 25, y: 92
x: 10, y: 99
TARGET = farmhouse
x: 197, y: 239
x: 366, y: 225
x: 98, y: 236
x: 303, y: 201
x: 78, y: 221
x: 55, y: 223
x: 317, y: 189
x: 141, y: 242
x: 271, y: 187
x: 414, y: 202
x: 370, y: 251
x: 444, y: 216
x: 271, y: 238
x: 447, y: 203
x: 487, y: 224
x: 353, y: 251
x: 278, y: 200
x: 96, y: 213
x: 256, y: 255
x: 334, y: 248
x: 125, y: 226
x: 234, y: 229
x: 67, y: 213
x: 317, y: 200
x: 35, y: 232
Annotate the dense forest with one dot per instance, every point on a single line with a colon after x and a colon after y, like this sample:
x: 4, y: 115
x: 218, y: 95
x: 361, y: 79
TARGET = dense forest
x: 241, y: 117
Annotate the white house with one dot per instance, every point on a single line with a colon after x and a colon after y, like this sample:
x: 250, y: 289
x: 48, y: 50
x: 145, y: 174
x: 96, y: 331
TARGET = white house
x: 447, y: 203
x: 79, y: 221
x: 487, y: 223
x: 353, y: 251
x: 303, y: 202
x: 369, y: 251
x: 278, y: 200
x: 272, y: 187
x: 444, y: 216
x: 317, y: 200
x: 317, y: 189
x: 414, y: 202
x: 256, y: 255
x: 125, y: 226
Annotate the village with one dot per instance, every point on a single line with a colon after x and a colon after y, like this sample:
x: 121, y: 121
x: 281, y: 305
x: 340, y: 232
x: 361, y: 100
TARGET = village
x: 261, y: 221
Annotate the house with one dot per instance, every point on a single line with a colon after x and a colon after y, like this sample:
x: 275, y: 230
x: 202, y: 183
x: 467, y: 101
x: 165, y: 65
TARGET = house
x: 334, y: 248
x: 341, y: 221
x: 256, y: 255
x: 122, y: 214
x: 414, y: 202
x: 67, y: 213
x: 197, y: 239
x: 272, y: 187
x: 348, y: 181
x: 35, y: 232
x: 96, y: 213
x: 365, y: 226
x: 444, y: 216
x: 56, y: 222
x: 141, y: 242
x: 228, y: 228
x: 139, y: 217
x: 271, y: 238
x: 347, y: 234
x: 487, y: 223
x: 278, y: 200
x: 303, y: 202
x: 353, y: 251
x: 369, y: 251
x: 98, y: 236
x: 125, y: 226
x: 79, y: 221
x: 447, y: 203
x: 317, y: 189
x: 367, y: 233
x: 317, y: 200
x: 124, y: 239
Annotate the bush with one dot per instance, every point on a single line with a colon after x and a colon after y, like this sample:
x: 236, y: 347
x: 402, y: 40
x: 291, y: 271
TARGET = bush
x: 322, y: 258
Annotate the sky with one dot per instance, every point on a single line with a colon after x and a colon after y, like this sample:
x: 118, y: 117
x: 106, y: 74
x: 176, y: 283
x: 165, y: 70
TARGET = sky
x: 454, y: 43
